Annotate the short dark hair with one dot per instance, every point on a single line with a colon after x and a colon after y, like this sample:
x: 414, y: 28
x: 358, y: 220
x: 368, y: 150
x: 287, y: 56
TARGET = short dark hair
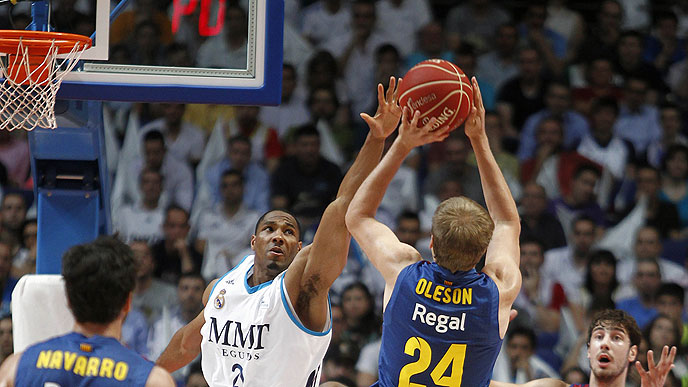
x: 333, y: 93
x: 586, y: 167
x: 523, y: 331
x: 238, y: 138
x: 151, y: 170
x: 154, y: 135
x: 408, y: 214
x: 619, y: 319
x: 232, y: 172
x: 600, y: 256
x: 386, y: 49
x: 605, y: 103
x: 194, y: 274
x: 673, y: 290
x: 99, y: 278
x: 176, y: 207
x: 305, y: 130
x: 298, y: 224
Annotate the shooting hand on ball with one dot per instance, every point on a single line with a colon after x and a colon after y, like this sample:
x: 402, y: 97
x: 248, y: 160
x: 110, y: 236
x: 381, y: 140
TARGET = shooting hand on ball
x: 388, y: 111
x: 411, y: 136
x: 475, y: 123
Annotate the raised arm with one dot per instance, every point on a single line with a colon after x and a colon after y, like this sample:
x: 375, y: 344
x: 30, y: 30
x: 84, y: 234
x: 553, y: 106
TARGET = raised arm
x: 315, y: 268
x: 185, y: 345
x: 502, y: 258
x: 379, y: 243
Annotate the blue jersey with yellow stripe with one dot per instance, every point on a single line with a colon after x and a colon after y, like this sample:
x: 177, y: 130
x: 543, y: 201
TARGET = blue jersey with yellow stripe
x: 440, y: 328
x: 77, y: 360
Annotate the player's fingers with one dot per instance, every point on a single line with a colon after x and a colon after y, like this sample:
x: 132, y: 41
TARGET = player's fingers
x: 405, y: 114
x: 639, y: 368
x: 368, y: 119
x: 477, y: 96
x: 672, y: 355
x: 414, y: 119
x: 396, y: 90
x: 390, y: 90
x: 650, y: 360
x: 380, y: 94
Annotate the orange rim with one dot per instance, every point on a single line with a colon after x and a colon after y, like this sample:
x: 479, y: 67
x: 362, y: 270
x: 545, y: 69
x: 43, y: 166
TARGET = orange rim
x: 39, y: 42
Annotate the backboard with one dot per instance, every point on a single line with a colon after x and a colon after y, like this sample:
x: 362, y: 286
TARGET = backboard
x: 250, y: 75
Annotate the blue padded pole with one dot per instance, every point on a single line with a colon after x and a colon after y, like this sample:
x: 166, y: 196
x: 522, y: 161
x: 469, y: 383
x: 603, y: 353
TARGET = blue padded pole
x: 39, y: 13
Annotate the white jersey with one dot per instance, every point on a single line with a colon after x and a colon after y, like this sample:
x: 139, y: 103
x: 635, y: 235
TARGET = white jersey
x: 252, y: 337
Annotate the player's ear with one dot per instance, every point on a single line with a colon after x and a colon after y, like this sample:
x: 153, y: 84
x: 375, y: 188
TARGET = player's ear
x: 253, y: 241
x: 300, y: 245
x: 633, y: 353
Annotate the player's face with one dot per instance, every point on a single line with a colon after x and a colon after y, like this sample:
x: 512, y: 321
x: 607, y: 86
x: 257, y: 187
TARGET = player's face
x: 275, y: 243
x: 5, y: 336
x: 610, y: 351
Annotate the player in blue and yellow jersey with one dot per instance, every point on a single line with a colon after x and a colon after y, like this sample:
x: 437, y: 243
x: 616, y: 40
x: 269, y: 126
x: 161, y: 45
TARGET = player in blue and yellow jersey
x: 443, y: 321
x: 99, y: 281
x: 613, y: 339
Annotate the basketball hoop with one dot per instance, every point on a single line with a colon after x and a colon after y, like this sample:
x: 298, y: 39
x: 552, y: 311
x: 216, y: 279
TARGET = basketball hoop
x: 31, y: 76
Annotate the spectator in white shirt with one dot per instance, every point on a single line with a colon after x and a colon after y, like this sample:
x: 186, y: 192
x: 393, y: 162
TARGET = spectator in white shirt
x: 227, y: 50
x: 143, y: 220
x: 224, y: 231
x: 178, y: 183
x: 184, y: 140
x: 190, y: 302
x: 325, y: 20
x: 291, y: 112
x: 518, y: 363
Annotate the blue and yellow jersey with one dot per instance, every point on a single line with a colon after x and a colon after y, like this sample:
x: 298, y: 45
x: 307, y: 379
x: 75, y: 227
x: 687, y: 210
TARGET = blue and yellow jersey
x: 77, y: 360
x: 440, y: 328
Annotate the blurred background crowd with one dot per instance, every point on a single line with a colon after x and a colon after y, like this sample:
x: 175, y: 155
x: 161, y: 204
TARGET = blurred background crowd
x: 587, y: 117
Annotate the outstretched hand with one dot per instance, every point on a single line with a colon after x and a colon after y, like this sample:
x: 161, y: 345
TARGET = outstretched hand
x: 475, y: 122
x: 411, y: 136
x: 655, y: 376
x: 388, y: 111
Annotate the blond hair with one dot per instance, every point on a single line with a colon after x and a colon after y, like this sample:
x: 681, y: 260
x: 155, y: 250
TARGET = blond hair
x: 461, y: 231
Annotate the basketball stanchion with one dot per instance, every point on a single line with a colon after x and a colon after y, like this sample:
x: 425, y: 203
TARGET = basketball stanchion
x: 32, y: 75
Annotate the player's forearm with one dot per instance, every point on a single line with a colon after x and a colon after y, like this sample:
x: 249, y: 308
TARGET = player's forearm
x: 180, y: 351
x: 370, y: 194
x: 365, y: 162
x: 500, y: 203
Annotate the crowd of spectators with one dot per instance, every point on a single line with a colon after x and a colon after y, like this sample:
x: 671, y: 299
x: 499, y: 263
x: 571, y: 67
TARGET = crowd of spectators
x: 588, y: 119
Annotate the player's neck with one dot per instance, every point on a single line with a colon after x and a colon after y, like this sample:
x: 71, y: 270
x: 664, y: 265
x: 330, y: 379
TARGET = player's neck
x: 113, y: 329
x: 618, y: 381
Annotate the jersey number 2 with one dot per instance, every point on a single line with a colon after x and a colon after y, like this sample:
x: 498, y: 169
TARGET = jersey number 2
x: 454, y: 357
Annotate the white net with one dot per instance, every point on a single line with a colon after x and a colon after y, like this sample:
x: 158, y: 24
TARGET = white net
x: 30, y: 84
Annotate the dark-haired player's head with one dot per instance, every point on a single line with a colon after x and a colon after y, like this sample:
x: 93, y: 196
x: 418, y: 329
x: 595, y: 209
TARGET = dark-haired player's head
x: 613, y: 339
x: 461, y: 231
x: 154, y: 149
x: 275, y: 242
x: 99, y: 280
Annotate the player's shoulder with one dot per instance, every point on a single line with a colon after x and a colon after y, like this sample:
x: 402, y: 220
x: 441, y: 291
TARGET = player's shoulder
x: 158, y: 377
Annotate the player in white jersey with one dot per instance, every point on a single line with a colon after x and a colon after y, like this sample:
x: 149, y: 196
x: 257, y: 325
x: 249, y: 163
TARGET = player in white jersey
x: 267, y: 321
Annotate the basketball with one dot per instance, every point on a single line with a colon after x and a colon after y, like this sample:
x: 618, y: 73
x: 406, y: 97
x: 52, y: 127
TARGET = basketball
x: 437, y: 88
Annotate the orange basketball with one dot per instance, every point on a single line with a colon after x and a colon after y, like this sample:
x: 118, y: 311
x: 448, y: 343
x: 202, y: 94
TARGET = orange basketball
x: 437, y: 88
